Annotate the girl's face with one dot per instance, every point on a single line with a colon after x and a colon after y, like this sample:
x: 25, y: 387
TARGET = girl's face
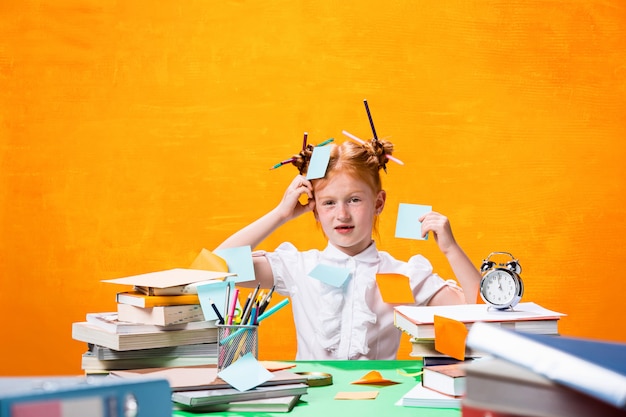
x: 346, y: 208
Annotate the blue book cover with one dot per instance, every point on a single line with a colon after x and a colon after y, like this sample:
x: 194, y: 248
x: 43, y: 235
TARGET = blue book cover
x: 87, y: 396
x: 595, y: 367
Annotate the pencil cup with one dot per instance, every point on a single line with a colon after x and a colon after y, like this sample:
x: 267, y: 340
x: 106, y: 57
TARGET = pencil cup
x: 234, y: 342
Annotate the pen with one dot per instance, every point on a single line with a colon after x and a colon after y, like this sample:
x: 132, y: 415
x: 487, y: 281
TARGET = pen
x: 281, y: 163
x: 369, y: 116
x: 304, y: 140
x: 273, y: 310
x: 259, y: 319
x: 362, y: 142
x: 231, y: 314
x: 253, y: 316
x: 217, y: 311
x: 245, y: 309
x: 246, y: 315
x: 351, y: 136
x: 326, y: 142
x: 227, y: 300
x: 266, y: 300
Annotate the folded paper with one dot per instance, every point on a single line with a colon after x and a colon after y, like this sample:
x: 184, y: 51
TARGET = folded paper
x: 374, y: 378
x: 170, y: 278
x: 209, y: 261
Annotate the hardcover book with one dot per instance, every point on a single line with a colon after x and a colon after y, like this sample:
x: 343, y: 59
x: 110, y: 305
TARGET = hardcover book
x: 596, y: 368
x: 111, y: 323
x: 446, y: 379
x: 160, y: 315
x: 418, y: 321
x: 501, y: 387
x: 180, y: 351
x: 138, y: 299
x: 86, y: 332
x: 192, y: 399
x: 420, y: 396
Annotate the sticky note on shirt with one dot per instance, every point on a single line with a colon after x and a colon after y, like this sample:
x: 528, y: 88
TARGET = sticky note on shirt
x: 239, y: 261
x: 319, y: 162
x: 330, y: 275
x: 408, y: 225
x: 395, y: 288
x: 450, y: 337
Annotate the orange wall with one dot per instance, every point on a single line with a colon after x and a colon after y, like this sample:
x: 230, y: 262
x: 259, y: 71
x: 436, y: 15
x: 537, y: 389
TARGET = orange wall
x: 133, y: 134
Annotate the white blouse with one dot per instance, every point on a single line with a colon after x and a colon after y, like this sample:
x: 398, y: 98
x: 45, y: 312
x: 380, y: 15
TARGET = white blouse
x: 351, y: 321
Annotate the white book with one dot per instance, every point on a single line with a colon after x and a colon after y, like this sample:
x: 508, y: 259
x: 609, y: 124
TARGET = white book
x: 87, y: 332
x: 420, y: 396
x: 418, y: 321
x: 160, y: 315
x: 109, y: 321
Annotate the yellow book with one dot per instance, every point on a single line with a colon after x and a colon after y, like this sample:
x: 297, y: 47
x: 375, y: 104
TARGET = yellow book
x: 139, y: 299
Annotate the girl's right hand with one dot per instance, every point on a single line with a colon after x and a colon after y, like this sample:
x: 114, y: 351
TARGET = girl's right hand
x: 290, y: 206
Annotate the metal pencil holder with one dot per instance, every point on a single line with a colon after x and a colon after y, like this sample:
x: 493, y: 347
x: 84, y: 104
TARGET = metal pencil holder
x: 234, y: 342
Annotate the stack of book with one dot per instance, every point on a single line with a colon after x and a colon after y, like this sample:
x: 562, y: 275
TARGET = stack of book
x: 543, y: 376
x: 444, y: 378
x: 418, y: 323
x: 159, y: 322
x: 202, y: 389
x: 441, y: 386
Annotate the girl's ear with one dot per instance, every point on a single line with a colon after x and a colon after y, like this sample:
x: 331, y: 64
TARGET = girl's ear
x: 380, y: 201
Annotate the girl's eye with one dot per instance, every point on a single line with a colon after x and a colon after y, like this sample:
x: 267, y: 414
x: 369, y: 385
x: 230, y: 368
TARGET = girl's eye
x: 328, y: 203
x: 355, y: 200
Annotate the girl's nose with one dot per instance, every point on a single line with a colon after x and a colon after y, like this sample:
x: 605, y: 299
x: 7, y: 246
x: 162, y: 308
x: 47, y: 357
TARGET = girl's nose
x: 343, y: 213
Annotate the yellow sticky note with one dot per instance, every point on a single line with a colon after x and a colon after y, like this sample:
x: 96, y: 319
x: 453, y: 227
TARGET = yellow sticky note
x: 276, y: 366
x: 374, y: 378
x: 395, y: 288
x: 360, y: 395
x: 208, y: 261
x: 450, y: 337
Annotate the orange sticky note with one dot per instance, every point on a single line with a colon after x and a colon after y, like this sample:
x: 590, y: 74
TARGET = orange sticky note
x: 374, y: 378
x: 395, y: 288
x: 208, y: 261
x: 450, y: 337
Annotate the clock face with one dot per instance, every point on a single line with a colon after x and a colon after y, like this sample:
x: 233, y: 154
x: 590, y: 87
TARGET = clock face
x: 499, y: 287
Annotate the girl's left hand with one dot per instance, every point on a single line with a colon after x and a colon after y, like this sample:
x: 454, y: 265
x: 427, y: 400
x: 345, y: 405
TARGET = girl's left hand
x: 440, y: 226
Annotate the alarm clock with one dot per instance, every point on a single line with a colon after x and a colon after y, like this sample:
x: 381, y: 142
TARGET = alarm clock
x: 501, y: 286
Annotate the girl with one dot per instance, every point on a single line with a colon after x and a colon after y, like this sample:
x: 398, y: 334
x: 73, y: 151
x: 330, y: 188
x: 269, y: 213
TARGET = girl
x: 351, y: 321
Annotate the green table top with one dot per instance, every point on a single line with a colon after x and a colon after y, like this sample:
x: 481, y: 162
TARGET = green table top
x: 321, y: 400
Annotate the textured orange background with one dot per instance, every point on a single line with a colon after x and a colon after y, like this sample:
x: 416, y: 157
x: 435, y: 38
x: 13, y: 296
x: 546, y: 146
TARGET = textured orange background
x: 133, y: 134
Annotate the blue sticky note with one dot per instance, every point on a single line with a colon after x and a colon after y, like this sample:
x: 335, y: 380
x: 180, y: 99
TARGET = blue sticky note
x: 407, y: 224
x: 319, y: 162
x: 215, y: 291
x: 245, y: 373
x: 239, y: 261
x: 330, y: 275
